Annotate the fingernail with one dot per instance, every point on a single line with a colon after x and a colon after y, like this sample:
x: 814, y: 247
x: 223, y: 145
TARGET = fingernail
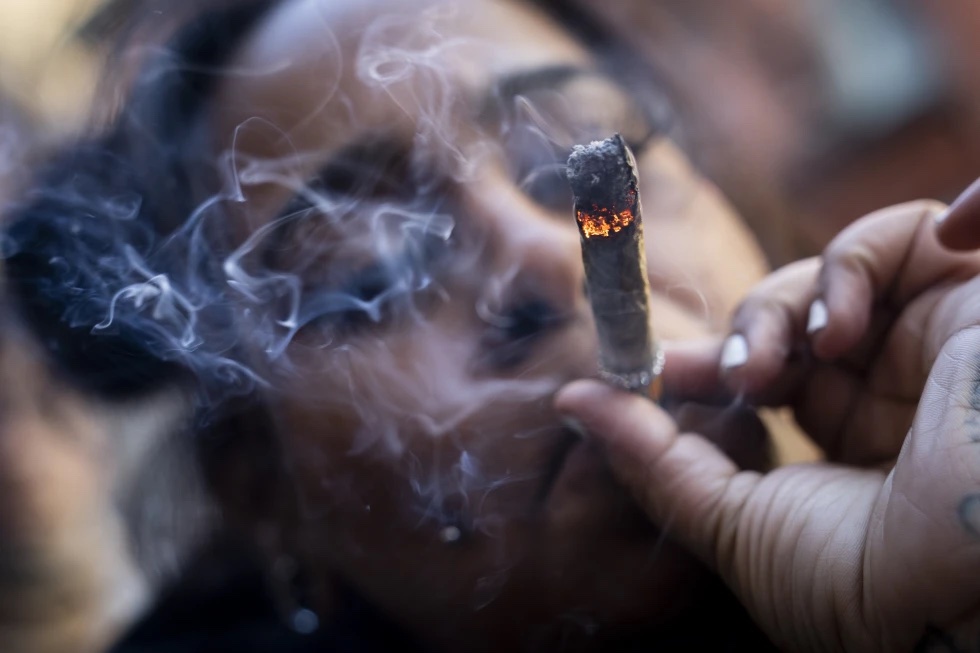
x: 735, y: 353
x: 817, y: 319
x: 941, y: 216
x: 575, y: 427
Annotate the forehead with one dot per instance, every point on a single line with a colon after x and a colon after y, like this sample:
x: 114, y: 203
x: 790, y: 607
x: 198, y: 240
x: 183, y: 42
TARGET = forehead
x: 318, y: 75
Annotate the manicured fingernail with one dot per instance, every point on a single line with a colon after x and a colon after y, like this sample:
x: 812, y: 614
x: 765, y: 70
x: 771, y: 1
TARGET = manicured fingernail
x: 817, y: 319
x: 735, y: 353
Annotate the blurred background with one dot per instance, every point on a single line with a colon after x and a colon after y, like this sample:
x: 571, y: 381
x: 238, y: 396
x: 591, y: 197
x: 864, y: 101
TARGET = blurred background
x: 810, y: 113
x: 807, y: 113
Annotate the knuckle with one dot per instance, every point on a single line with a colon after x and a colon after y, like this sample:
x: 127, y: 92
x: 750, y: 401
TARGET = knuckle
x: 852, y: 258
x: 779, y: 301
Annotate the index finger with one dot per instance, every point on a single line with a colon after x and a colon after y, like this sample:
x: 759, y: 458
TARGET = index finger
x: 888, y: 257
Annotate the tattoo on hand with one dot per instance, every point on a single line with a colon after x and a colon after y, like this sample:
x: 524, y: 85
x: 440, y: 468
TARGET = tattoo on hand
x: 969, y: 514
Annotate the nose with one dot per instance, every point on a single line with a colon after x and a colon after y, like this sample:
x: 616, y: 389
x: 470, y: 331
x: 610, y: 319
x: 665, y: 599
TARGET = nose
x: 533, y: 254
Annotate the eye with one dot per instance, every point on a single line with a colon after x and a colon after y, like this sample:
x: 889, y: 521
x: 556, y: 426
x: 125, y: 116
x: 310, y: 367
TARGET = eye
x: 539, y: 124
x: 538, y: 167
x: 378, y: 168
x: 547, y: 184
x: 548, y: 187
x: 370, y: 283
x: 365, y: 242
x: 369, y: 291
x: 370, y: 296
x: 513, y: 336
x: 346, y: 300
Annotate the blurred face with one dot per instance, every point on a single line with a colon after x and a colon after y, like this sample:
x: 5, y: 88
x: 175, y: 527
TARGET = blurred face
x: 405, y: 220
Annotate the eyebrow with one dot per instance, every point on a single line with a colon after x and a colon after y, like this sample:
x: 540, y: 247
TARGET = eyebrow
x: 378, y: 147
x: 346, y: 167
x: 374, y: 149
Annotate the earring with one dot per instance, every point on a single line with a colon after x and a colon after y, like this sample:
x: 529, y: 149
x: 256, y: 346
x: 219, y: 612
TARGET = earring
x: 454, y: 527
x: 293, y: 597
x: 450, y: 534
x: 304, y: 621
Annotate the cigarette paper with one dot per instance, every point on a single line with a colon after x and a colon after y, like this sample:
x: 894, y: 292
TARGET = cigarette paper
x: 608, y: 213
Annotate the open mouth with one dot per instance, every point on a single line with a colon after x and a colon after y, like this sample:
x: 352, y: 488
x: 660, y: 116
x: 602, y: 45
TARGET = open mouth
x: 578, y: 490
x: 577, y: 477
x: 567, y: 442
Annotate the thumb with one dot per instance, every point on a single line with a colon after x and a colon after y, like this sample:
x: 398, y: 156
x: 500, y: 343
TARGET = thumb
x: 682, y: 481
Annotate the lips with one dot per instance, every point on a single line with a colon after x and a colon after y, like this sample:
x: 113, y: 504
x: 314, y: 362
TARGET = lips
x: 579, y: 494
x: 581, y: 467
x: 566, y: 443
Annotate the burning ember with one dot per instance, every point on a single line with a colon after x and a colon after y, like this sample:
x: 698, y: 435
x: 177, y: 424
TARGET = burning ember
x: 603, y: 178
x: 602, y: 220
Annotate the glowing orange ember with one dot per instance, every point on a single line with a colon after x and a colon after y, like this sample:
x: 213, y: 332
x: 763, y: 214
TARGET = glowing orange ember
x: 600, y: 221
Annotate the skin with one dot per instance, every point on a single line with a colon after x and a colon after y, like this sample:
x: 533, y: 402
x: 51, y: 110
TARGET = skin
x: 66, y: 582
x: 438, y: 417
x: 873, y: 549
x: 906, y: 497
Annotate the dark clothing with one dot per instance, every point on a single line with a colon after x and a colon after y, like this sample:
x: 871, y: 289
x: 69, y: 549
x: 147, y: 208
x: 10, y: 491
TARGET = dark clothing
x: 222, y: 605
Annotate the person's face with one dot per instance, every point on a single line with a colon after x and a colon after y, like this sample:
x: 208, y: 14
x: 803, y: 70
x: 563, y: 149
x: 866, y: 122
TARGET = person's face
x: 404, y: 206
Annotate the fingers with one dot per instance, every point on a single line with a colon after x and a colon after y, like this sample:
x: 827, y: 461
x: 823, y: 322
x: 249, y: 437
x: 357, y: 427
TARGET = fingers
x: 825, y: 307
x: 888, y: 257
x: 766, y: 327
x: 685, y: 483
x: 959, y: 227
x: 736, y: 429
x: 691, y: 370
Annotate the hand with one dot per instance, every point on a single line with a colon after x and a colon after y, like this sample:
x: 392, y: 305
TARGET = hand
x: 847, y: 340
x: 877, y: 555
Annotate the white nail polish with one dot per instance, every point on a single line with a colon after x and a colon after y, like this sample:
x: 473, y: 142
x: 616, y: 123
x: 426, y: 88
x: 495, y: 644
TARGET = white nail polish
x: 817, y: 319
x: 735, y: 353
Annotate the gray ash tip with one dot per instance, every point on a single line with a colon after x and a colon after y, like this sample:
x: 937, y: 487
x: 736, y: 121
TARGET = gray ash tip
x: 602, y: 167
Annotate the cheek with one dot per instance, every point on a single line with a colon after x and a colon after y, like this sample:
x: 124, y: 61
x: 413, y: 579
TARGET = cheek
x: 410, y: 408
x: 699, y: 251
x: 671, y: 321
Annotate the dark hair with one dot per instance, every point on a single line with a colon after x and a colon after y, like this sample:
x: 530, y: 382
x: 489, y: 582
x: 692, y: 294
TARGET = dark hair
x: 104, y: 216
x: 106, y: 256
